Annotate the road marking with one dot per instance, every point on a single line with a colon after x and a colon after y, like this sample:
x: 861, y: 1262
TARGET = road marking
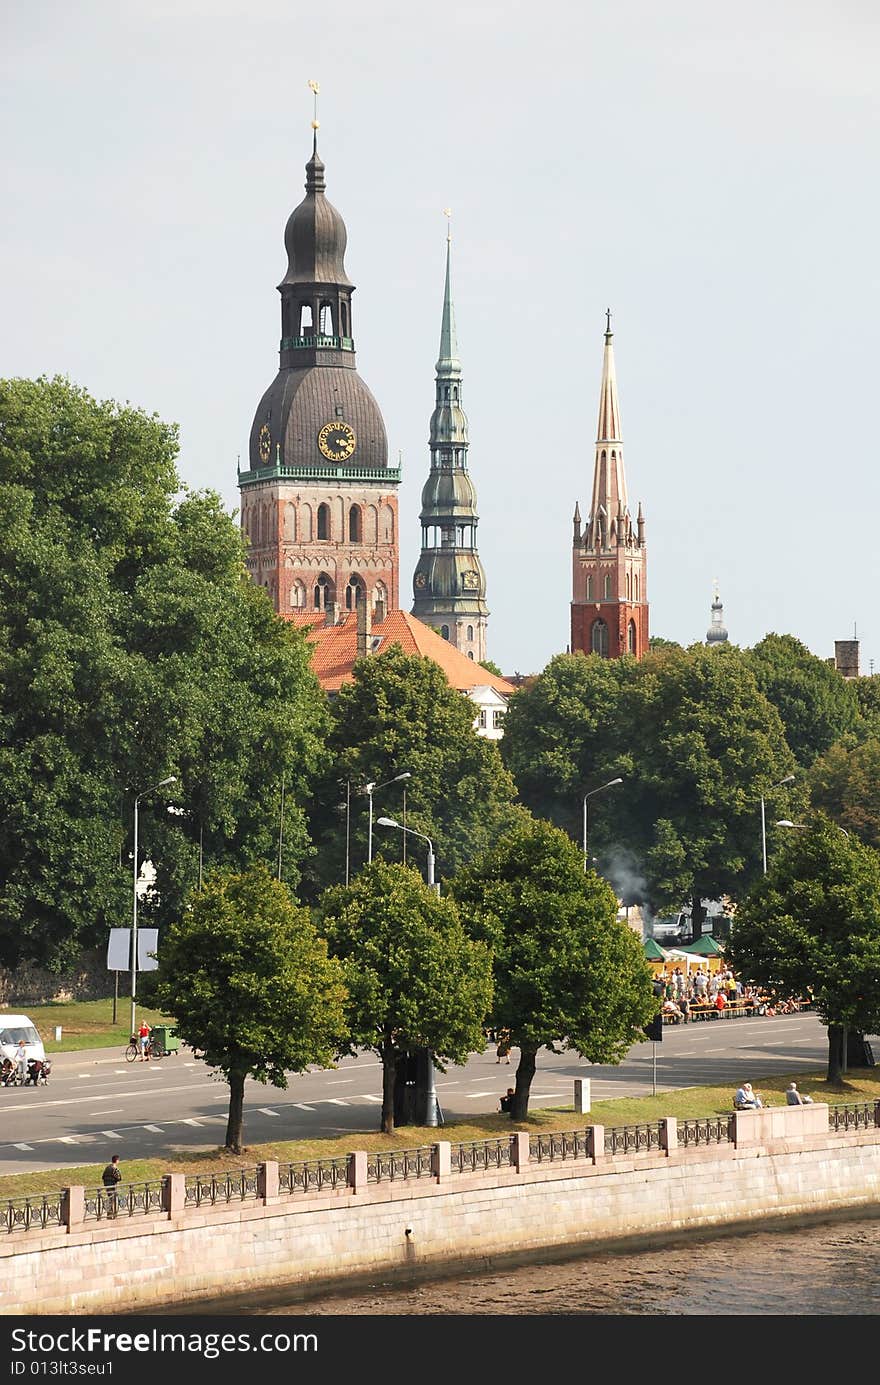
x: 377, y: 1099
x: 23, y: 1147
x: 473, y: 1096
x: 332, y: 1101
x: 96, y: 1115
x: 83, y: 1074
x: 66, y: 1139
x: 303, y: 1107
x: 156, y: 1129
x: 189, y: 1120
x: 266, y: 1110
x: 335, y: 1081
x: 112, y: 1134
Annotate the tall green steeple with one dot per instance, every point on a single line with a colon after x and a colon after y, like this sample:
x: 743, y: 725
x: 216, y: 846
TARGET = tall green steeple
x: 449, y: 584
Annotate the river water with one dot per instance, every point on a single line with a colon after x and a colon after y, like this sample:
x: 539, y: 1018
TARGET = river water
x: 832, y: 1268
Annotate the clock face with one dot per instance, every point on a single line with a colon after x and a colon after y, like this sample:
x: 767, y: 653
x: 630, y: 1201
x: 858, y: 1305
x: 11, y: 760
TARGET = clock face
x: 265, y: 443
x: 471, y: 579
x: 421, y: 579
x: 337, y: 441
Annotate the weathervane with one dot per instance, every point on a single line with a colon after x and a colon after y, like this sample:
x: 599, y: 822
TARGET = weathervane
x: 608, y: 322
x: 447, y: 212
x: 314, y: 88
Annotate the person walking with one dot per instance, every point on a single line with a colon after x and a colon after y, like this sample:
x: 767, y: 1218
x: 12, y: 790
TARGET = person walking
x: 111, y: 1176
x: 21, y: 1062
x: 143, y: 1041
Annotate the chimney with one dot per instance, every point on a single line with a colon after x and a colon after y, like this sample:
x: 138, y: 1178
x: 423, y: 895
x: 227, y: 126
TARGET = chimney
x: 364, y: 625
x: 331, y: 614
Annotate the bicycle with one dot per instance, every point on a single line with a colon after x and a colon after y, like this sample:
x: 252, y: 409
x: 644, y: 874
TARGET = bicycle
x: 152, y: 1050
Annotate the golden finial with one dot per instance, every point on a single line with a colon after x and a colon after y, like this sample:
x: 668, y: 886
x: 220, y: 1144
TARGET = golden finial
x: 314, y: 88
x: 447, y: 212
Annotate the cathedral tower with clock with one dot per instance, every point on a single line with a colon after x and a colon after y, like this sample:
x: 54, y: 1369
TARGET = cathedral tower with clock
x: 319, y: 500
x: 449, y: 584
x: 609, y: 605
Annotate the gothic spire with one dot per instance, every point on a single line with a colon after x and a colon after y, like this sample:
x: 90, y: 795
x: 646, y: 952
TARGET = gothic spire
x: 610, y: 508
x: 448, y: 363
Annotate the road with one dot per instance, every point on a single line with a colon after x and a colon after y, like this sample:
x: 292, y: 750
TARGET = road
x: 95, y: 1100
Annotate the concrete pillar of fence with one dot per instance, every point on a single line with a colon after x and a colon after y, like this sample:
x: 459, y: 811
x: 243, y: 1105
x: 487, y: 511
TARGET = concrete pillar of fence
x: 267, y: 1180
x: 596, y: 1142
x: 441, y: 1160
x: 173, y: 1192
x: 877, y: 1113
x: 582, y: 1095
x: 669, y: 1134
x: 73, y: 1207
x: 357, y: 1171
x: 519, y: 1150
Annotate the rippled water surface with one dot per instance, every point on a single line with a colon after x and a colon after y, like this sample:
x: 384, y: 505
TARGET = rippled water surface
x: 829, y: 1269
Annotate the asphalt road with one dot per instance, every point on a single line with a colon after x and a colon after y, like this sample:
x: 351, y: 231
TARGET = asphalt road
x: 96, y: 1103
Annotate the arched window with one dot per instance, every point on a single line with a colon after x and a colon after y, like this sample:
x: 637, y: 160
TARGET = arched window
x: 599, y: 638
x: 444, y: 631
x: 629, y: 586
x: 607, y: 583
x: 354, y: 592
x: 324, y: 592
x: 631, y: 638
x: 326, y: 320
x: 590, y: 587
x: 323, y: 521
x: 343, y: 310
x: 380, y: 595
x: 355, y: 525
x: 455, y: 392
x: 637, y: 586
x: 470, y: 632
x: 297, y: 595
x: 470, y: 654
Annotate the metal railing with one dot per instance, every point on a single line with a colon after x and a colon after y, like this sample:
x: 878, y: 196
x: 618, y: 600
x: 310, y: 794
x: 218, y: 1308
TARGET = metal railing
x: 478, y: 1156
x: 706, y: 1130
x: 125, y: 1200
x: 851, y: 1115
x: 400, y: 1163
x: 238, y: 1185
x: 632, y: 1139
x: 559, y: 1144
x: 312, y: 1175
x: 38, y: 1210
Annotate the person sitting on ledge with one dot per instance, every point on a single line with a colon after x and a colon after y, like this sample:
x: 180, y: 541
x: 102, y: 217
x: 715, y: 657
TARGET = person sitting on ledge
x: 747, y: 1100
x: 507, y: 1101
x: 795, y: 1098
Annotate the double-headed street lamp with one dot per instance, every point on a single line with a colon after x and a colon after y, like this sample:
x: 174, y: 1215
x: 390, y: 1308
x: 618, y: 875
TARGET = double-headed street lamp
x: 787, y: 780
x: 391, y: 822
x: 172, y: 779
x: 590, y: 794
x: 369, y: 790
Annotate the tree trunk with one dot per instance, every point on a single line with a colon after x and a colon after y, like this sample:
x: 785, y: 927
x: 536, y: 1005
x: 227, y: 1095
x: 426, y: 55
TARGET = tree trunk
x: 697, y: 914
x: 835, y: 1054
x: 389, y: 1073
x: 235, y: 1123
x: 519, y: 1109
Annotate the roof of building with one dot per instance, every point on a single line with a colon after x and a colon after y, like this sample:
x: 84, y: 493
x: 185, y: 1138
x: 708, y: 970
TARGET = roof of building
x: 335, y: 650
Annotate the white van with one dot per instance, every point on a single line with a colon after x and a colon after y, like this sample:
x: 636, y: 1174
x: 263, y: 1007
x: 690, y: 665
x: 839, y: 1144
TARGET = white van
x: 15, y: 1027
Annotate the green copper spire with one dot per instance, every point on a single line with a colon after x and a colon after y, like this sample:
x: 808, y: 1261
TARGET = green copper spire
x: 448, y: 363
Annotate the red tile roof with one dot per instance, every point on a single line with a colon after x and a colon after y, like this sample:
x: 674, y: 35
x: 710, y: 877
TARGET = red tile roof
x: 334, y: 650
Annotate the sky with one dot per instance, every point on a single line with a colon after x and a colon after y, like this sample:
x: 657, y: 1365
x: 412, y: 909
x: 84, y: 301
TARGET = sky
x: 708, y: 172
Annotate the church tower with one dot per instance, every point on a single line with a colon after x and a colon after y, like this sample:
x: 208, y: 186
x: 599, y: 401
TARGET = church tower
x: 609, y: 607
x: 717, y: 632
x: 449, y: 584
x: 319, y: 500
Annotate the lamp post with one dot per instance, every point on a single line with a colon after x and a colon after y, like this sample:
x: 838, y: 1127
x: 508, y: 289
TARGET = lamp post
x: 590, y: 794
x: 369, y: 790
x: 391, y: 822
x: 172, y: 779
x: 804, y: 826
x: 787, y: 780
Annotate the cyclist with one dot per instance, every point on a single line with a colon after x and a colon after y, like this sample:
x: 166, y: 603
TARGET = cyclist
x: 144, y: 1042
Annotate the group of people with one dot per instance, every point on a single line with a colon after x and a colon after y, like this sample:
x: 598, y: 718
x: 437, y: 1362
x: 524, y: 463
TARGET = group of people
x: 20, y: 1070
x: 747, y: 1099
x: 715, y: 990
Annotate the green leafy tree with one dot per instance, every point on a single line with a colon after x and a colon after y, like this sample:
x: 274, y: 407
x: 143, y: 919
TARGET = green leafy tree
x: 867, y: 694
x: 491, y: 666
x: 844, y: 783
x: 415, y: 978
x: 567, y: 972
x: 813, y: 924
x: 816, y: 705
x: 132, y: 645
x: 401, y: 715
x: 251, y: 985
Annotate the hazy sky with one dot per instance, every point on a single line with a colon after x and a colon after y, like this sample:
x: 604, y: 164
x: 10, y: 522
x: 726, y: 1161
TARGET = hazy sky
x: 709, y: 172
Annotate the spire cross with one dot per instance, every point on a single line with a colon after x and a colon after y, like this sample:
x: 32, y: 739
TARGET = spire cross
x: 314, y: 88
x: 447, y: 212
x: 608, y: 322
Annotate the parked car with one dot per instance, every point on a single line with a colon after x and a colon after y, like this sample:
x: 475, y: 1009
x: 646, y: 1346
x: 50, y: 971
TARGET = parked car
x: 15, y: 1027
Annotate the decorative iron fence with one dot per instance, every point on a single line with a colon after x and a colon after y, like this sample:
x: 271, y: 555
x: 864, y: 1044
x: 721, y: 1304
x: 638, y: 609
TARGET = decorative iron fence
x: 706, y: 1130
x: 312, y: 1175
x: 478, y: 1156
x: 39, y: 1210
x: 400, y: 1163
x: 559, y: 1144
x: 125, y: 1200
x: 851, y: 1115
x: 632, y: 1139
x: 238, y: 1185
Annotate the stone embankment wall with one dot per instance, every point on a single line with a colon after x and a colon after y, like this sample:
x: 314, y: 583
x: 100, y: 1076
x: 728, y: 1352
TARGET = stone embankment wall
x: 32, y: 985
x: 782, y: 1162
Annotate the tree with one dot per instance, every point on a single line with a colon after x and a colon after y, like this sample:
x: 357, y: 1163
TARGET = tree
x: 132, y: 645
x: 415, y: 979
x: 400, y: 714
x: 816, y: 705
x: 844, y: 783
x: 812, y: 924
x: 567, y: 972
x: 491, y: 666
x: 251, y: 986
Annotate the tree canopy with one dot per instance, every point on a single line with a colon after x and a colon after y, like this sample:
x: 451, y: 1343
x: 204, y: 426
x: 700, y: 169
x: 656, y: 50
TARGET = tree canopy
x: 132, y: 645
x: 567, y: 972
x: 844, y: 783
x: 812, y: 924
x: 816, y: 705
x: 415, y: 979
x: 250, y: 985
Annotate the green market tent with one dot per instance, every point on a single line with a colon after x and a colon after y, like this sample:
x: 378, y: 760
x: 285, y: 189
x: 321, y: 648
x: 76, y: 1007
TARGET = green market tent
x: 653, y: 951
x: 704, y: 947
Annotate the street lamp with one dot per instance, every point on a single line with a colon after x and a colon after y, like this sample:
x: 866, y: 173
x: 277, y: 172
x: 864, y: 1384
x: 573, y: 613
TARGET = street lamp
x: 368, y: 790
x: 391, y: 822
x: 787, y: 780
x: 804, y: 827
x: 590, y: 794
x: 172, y: 779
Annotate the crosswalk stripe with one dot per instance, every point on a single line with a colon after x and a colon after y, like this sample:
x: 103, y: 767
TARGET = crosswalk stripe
x: 303, y: 1107
x: 332, y: 1101
x: 156, y: 1129
x: 112, y: 1134
x: 267, y: 1111
x: 190, y: 1120
x: 22, y: 1147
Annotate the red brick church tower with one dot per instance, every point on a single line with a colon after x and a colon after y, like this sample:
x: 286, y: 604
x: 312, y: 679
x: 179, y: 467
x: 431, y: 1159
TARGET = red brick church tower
x: 609, y: 605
